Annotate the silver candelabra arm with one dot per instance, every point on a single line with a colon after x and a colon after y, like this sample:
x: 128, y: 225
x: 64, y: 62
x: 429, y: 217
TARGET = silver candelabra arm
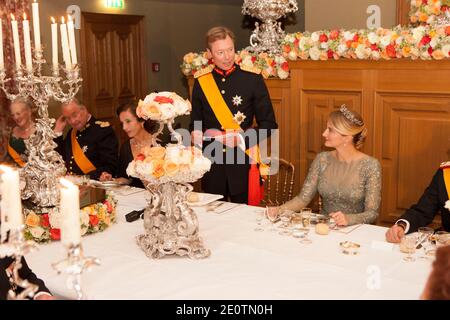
x: 74, y: 265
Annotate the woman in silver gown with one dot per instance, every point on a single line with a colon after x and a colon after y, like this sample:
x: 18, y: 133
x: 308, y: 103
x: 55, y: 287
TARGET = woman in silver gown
x: 348, y: 181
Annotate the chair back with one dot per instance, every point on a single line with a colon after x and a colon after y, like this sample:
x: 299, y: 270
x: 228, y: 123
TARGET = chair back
x: 279, y: 187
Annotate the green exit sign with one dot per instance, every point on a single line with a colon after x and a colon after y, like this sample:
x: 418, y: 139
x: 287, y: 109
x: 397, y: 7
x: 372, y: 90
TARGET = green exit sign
x: 118, y: 4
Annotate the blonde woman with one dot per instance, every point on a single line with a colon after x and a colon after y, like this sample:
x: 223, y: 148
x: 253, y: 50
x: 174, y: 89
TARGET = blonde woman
x: 348, y: 180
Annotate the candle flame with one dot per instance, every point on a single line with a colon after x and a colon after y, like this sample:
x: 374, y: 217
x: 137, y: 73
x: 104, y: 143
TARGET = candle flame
x: 53, y: 20
x: 62, y: 19
x: 66, y: 183
x: 24, y: 16
x: 5, y: 169
x: 12, y: 17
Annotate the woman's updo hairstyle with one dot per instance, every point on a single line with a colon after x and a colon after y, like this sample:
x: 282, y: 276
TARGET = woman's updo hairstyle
x: 349, y: 123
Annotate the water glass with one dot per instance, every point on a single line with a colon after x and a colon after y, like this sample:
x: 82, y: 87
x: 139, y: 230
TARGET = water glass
x: 442, y: 238
x: 285, y: 217
x: 306, y: 217
x: 408, y: 245
x: 425, y: 234
x: 259, y: 218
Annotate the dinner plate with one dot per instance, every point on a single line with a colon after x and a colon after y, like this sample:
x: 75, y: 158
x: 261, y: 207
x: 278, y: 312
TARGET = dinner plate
x: 107, y: 184
x: 204, y: 199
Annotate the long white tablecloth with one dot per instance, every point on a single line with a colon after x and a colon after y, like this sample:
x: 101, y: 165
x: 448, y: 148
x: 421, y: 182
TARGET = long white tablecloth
x: 244, y: 264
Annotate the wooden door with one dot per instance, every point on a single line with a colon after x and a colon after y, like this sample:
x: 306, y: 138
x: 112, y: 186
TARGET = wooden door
x: 113, y: 63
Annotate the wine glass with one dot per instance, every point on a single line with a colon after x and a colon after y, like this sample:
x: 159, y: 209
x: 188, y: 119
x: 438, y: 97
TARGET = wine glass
x: 285, y: 217
x: 408, y: 245
x: 306, y: 217
x: 273, y: 214
x: 442, y: 238
x: 424, y: 237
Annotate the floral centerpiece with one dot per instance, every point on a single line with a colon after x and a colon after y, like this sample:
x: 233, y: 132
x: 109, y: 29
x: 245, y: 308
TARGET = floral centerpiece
x: 171, y: 226
x: 175, y: 163
x: 428, y: 11
x: 44, y: 225
x: 162, y: 106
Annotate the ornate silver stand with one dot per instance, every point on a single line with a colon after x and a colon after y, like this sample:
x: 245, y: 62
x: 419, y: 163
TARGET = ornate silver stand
x: 267, y: 36
x: 74, y: 265
x: 17, y: 247
x: 44, y: 165
x: 176, y: 230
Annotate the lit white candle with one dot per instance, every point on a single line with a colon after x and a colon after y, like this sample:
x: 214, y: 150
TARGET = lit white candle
x: 11, y: 202
x: 65, y: 45
x: 15, y: 31
x: 27, y: 43
x: 36, y: 27
x: 70, y: 213
x: 2, y: 62
x: 72, y: 43
x: 54, y: 44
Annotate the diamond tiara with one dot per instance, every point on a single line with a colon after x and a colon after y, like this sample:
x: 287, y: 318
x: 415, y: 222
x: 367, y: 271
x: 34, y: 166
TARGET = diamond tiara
x: 350, y: 116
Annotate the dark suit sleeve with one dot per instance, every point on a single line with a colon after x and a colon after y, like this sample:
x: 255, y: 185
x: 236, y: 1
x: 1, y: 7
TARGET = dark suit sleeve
x: 107, y: 147
x: 422, y: 213
x: 60, y: 146
x: 125, y: 157
x: 197, y: 107
x: 26, y: 273
x: 264, y: 114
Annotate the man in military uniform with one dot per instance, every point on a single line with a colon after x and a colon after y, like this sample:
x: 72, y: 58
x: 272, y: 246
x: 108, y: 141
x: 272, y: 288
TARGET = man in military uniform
x: 90, y: 147
x: 228, y: 97
x: 435, y: 199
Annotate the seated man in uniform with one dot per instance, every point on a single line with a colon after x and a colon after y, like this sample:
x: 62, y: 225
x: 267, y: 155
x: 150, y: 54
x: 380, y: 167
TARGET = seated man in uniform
x: 435, y: 199
x: 90, y: 147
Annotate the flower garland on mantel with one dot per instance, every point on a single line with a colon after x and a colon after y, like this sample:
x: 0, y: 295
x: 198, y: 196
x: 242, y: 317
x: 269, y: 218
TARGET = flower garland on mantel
x: 422, y: 42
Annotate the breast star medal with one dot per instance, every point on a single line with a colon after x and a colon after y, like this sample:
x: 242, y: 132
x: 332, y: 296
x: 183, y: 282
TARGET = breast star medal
x: 85, y: 149
x: 237, y: 100
x: 239, y: 117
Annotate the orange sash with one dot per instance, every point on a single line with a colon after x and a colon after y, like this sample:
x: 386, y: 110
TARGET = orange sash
x: 78, y: 155
x: 15, y: 156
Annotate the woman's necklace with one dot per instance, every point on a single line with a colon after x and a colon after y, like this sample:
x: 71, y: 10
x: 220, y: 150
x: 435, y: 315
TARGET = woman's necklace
x: 138, y: 145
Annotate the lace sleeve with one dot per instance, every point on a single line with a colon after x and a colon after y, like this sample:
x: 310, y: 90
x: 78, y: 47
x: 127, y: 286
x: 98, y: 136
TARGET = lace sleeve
x: 309, y: 188
x: 372, y: 198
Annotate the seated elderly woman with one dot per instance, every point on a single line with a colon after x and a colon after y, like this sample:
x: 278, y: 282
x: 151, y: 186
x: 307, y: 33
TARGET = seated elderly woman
x: 348, y: 180
x: 22, y: 114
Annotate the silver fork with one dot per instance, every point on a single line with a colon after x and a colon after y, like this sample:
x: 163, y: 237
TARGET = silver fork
x: 213, y: 206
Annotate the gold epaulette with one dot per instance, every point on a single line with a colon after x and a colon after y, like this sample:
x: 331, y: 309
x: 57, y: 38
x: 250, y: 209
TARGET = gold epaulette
x: 445, y: 165
x: 204, y: 71
x: 250, y: 69
x: 102, y: 124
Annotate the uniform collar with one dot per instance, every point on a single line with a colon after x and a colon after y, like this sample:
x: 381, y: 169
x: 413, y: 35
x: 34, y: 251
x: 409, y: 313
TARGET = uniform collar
x: 225, y: 73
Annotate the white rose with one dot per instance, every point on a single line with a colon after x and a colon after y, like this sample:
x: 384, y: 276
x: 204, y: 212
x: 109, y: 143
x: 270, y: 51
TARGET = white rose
x: 185, y: 156
x: 342, y: 48
x: 314, y: 53
x: 292, y: 55
x: 173, y: 153
x: 361, y: 52
x: 386, y: 40
x: 289, y: 38
x: 349, y: 35
x: 302, y: 43
x: 167, y: 111
x: 247, y: 61
x: 55, y: 219
x: 399, y: 40
x: 446, y: 50
x: 324, y: 45
x: 433, y: 42
x: 282, y: 74
x: 375, y: 55
x: 202, y: 164
x: 418, y: 33
x: 37, y: 232
x: 315, y: 36
x: 447, y: 204
x: 373, y: 38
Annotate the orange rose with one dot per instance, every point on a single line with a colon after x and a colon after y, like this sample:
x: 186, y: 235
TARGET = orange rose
x: 158, y: 168
x: 33, y: 220
x: 156, y: 153
x: 171, y: 168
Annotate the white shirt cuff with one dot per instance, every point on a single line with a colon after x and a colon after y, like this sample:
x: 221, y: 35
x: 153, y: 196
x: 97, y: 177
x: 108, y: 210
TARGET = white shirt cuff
x: 406, y: 222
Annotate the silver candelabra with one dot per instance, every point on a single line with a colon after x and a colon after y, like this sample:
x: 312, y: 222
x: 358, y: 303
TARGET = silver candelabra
x: 267, y: 36
x: 44, y: 166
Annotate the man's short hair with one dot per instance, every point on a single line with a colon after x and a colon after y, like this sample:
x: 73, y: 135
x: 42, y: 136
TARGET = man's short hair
x: 76, y: 101
x: 218, y: 33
